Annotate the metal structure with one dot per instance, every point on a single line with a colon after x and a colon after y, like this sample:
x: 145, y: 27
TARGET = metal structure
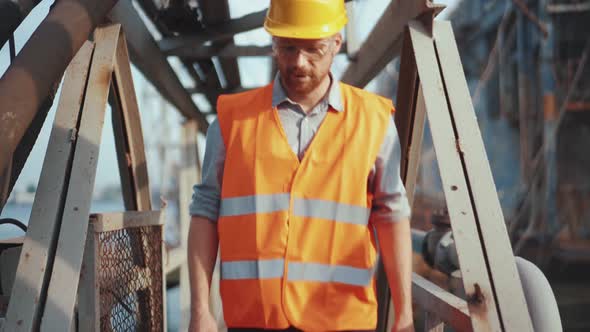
x: 58, y: 228
x: 429, y: 87
x: 201, y: 34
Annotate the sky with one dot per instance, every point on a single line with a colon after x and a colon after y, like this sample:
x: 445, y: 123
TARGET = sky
x: 161, y: 124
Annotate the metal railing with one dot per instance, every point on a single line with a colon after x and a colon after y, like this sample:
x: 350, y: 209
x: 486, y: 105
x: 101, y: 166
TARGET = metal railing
x: 122, y: 281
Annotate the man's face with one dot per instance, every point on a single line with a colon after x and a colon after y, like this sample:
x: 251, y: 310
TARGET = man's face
x: 304, y: 63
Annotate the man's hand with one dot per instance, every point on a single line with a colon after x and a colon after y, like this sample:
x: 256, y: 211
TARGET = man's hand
x: 405, y: 323
x: 202, y: 322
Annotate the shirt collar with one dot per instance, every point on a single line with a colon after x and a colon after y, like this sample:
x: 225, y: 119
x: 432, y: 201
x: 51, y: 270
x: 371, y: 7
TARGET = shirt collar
x: 334, y: 95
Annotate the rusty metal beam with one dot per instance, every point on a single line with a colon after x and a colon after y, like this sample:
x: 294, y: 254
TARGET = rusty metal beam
x: 128, y: 133
x: 208, y: 83
x: 215, y: 31
x: 478, y: 286
x: 62, y: 289
x: 148, y: 58
x: 153, y: 13
x: 502, y: 269
x: 45, y: 220
x: 30, y: 78
x: 227, y: 51
x: 196, y: 90
x: 12, y: 13
x: 24, y: 148
x: 409, y: 120
x: 446, y: 306
x: 200, y: 52
x: 385, y: 41
x: 217, y: 12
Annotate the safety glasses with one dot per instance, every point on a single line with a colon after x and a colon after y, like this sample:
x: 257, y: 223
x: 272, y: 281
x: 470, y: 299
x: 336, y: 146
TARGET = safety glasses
x: 313, y: 53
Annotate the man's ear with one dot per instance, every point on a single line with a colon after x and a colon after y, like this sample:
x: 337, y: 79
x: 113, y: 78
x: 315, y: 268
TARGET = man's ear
x: 337, y: 43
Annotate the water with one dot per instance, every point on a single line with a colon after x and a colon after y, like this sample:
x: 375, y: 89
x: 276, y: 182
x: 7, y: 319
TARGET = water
x: 22, y: 213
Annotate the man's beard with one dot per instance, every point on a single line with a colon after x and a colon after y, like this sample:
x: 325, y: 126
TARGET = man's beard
x: 301, y: 81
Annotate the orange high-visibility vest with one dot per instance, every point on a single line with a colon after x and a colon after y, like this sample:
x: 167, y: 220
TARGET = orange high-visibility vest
x: 295, y: 243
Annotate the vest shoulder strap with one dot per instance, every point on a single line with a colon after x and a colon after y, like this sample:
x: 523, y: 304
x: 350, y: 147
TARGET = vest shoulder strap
x: 241, y: 105
x: 367, y: 100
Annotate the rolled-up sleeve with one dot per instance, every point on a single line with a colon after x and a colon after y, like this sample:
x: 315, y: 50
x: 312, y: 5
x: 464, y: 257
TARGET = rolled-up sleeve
x: 206, y: 195
x: 390, y: 203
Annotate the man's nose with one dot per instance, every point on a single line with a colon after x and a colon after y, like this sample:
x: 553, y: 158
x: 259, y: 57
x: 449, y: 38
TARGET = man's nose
x: 300, y: 60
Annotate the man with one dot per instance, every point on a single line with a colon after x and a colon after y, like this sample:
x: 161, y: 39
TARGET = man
x: 300, y: 179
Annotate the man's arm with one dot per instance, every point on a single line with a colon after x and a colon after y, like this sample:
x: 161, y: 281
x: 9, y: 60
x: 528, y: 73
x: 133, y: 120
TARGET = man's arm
x: 202, y: 254
x: 203, y: 238
x: 396, y: 253
x: 390, y: 217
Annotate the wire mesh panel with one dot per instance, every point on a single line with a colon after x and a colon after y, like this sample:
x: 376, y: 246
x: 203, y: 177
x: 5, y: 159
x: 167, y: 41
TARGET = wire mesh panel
x: 129, y: 279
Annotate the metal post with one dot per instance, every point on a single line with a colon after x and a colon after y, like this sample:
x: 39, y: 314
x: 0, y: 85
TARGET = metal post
x: 523, y: 95
x: 550, y: 116
x: 12, y: 13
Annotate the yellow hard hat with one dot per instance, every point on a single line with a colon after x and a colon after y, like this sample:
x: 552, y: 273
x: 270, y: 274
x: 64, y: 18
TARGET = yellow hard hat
x: 305, y: 19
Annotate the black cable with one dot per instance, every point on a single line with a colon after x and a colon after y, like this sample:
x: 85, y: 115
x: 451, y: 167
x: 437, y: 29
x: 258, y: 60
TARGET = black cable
x: 20, y: 225
x: 14, y: 222
x: 12, y: 47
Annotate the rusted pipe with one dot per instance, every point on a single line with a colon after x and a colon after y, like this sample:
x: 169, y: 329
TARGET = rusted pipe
x: 41, y: 63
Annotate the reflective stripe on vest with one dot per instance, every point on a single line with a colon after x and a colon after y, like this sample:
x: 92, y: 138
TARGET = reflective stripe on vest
x: 311, y: 208
x: 273, y: 268
x: 243, y: 205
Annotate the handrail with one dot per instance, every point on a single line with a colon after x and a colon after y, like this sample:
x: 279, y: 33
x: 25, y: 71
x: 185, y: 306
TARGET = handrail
x: 112, y: 221
x: 436, y: 301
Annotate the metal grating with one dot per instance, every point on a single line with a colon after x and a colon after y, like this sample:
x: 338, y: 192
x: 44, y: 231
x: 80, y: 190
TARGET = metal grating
x: 130, y: 279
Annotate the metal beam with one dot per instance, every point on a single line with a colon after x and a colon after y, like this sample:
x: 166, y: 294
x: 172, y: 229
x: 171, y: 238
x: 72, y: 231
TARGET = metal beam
x: 564, y: 8
x: 448, y: 307
x: 217, y: 12
x: 61, y: 293
x: 469, y: 29
x: 385, y: 41
x: 128, y: 134
x: 150, y: 9
x: 215, y: 32
x: 208, y: 83
x: 499, y: 255
x: 464, y: 222
x: 12, y: 13
x: 148, y: 58
x: 24, y: 148
x: 45, y: 220
x: 196, y: 90
x: 228, y: 51
x: 31, y: 77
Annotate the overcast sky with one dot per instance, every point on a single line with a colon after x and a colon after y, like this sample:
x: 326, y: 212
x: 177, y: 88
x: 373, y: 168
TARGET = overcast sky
x: 158, y: 118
